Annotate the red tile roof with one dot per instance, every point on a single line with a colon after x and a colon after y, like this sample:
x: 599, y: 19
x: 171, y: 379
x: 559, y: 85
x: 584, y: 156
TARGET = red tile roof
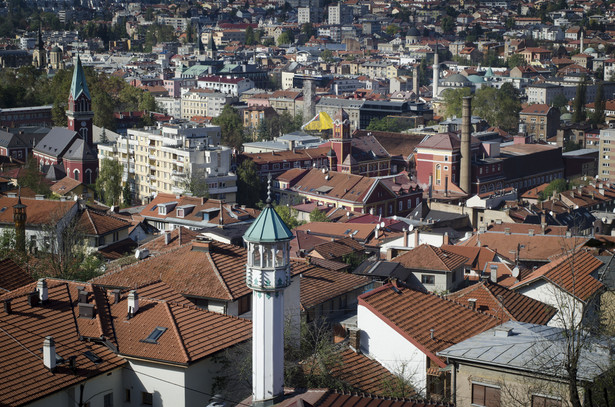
x: 319, y: 285
x: 505, y: 304
x: 23, y: 377
x: 427, y: 257
x: 12, y: 276
x: 179, y: 237
x: 478, y: 257
x: 414, y: 313
x: 571, y: 273
x: 97, y: 223
x: 39, y: 211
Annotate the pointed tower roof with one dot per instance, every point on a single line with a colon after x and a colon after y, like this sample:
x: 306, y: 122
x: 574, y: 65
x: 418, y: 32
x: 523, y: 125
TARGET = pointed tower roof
x: 269, y: 226
x: 79, y: 85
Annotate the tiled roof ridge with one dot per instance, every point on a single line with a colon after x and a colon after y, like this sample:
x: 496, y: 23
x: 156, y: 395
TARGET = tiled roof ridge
x: 180, y: 339
x: 217, y: 273
x: 377, y: 397
x: 103, y: 213
x: 443, y: 297
x: 91, y: 221
x: 487, y: 286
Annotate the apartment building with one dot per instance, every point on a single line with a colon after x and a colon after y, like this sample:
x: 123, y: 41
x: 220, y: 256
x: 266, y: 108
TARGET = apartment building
x: 606, y: 159
x: 163, y: 159
x: 225, y: 84
x: 542, y: 121
x: 204, y: 102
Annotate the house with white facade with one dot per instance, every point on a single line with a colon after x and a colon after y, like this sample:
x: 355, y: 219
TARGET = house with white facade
x: 225, y: 84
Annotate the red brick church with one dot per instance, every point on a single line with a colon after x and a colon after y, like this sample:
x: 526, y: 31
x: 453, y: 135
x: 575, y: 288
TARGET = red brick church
x: 71, y: 151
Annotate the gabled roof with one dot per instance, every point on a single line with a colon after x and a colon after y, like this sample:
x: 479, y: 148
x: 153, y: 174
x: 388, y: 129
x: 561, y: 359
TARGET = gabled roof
x: 505, y: 304
x: 23, y: 377
x: 40, y: 212
x: 339, y: 399
x: 571, y: 273
x: 12, y: 276
x: 179, y: 236
x: 79, y: 85
x: 319, y: 285
x: 413, y: 314
x: 65, y: 186
x: 337, y: 248
x: 56, y: 142
x: 428, y: 257
x: 477, y: 256
x: 79, y: 150
x: 97, y: 223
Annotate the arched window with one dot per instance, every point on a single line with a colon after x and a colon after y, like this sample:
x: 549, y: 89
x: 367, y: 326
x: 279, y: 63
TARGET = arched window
x: 84, y: 133
x: 87, y: 177
x: 438, y: 174
x: 76, y: 175
x: 483, y: 189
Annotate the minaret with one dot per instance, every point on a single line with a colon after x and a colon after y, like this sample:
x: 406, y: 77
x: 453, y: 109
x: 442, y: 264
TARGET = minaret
x: 20, y: 217
x: 581, y: 45
x: 268, y: 274
x: 436, y: 73
x: 79, y: 111
x: 415, y: 81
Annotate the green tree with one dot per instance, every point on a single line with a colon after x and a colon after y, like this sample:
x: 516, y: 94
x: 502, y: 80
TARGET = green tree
x: 578, y: 114
x: 598, y: 116
x: 392, y: 29
x: 326, y: 56
x: 560, y: 100
x: 448, y: 25
x: 308, y: 30
x: 557, y: 185
x: 33, y: 178
x: 499, y: 107
x: 231, y: 126
x: 385, y: 124
x: 250, y: 36
x: 248, y: 184
x: 109, y: 182
x: 126, y: 195
x: 318, y: 216
x: 452, y: 99
x: 515, y: 60
x: 286, y: 38
x: 196, y: 183
x: 288, y: 215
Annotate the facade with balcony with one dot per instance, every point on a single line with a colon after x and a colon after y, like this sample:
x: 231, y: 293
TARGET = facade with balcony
x: 166, y: 158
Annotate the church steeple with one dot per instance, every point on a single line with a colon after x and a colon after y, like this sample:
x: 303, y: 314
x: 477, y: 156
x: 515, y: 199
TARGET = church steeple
x: 79, y: 111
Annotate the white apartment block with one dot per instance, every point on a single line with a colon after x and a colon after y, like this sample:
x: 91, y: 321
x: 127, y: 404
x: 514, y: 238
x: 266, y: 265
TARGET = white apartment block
x: 225, y: 84
x: 204, y: 102
x: 162, y: 160
x: 606, y: 162
x: 169, y: 105
x: 303, y: 15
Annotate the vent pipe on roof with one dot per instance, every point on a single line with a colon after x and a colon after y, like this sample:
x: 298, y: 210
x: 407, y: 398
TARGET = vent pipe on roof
x: 43, y: 292
x: 7, y: 307
x: 167, y: 238
x: 431, y: 333
x: 49, y: 353
x: 472, y: 303
x: 133, y: 303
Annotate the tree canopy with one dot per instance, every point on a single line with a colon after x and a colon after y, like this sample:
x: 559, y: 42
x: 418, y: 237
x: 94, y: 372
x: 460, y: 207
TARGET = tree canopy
x: 231, y: 126
x: 248, y: 184
x: 109, y: 182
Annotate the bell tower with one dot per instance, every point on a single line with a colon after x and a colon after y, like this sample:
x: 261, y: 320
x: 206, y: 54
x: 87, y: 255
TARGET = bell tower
x: 341, y: 142
x: 79, y: 111
x: 268, y: 274
x: 20, y: 218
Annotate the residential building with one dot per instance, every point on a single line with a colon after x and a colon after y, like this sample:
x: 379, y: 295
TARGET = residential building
x: 204, y: 103
x: 606, y: 158
x: 30, y: 116
x: 339, y: 14
x: 224, y: 84
x: 275, y: 163
x: 522, y: 363
x: 541, y: 121
x: 163, y: 159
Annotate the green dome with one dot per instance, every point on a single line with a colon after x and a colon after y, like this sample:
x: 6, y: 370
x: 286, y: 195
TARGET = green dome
x: 476, y: 79
x: 268, y: 228
x: 489, y: 73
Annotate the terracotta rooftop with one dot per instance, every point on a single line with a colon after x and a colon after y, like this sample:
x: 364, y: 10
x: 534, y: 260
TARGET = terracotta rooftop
x: 335, y: 185
x: 337, y: 248
x: 478, y: 257
x: 65, y: 186
x: 505, y: 304
x: 319, y: 285
x: 12, y: 276
x: 537, y: 109
x: 179, y: 237
x: 23, y: 377
x: 280, y: 156
x: 414, y: 313
x: 524, y: 228
x: 337, y: 229
x: 39, y: 211
x: 427, y: 257
x: 571, y: 273
x: 93, y: 222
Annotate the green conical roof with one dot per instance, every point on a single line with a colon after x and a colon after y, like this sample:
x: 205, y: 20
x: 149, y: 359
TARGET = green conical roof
x: 79, y: 85
x: 268, y: 227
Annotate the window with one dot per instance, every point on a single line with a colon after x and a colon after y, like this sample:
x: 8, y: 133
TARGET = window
x: 542, y: 401
x: 127, y: 395
x: 108, y: 400
x: 147, y: 398
x: 486, y: 396
x: 155, y: 335
x: 428, y: 279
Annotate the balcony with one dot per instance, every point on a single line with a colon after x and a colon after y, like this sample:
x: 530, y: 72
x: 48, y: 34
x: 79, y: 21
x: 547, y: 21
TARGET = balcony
x: 152, y: 157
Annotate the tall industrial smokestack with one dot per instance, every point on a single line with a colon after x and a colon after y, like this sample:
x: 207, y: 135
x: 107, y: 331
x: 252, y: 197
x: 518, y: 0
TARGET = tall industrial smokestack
x: 466, y: 129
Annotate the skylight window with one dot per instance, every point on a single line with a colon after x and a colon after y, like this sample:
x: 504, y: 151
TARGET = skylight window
x: 155, y: 335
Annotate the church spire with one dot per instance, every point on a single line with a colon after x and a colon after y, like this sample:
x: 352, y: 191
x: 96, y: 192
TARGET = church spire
x: 79, y: 85
x: 79, y: 111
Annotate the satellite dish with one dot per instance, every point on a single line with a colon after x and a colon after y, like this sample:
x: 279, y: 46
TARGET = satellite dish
x: 411, y: 228
x: 515, y: 272
x: 382, y: 224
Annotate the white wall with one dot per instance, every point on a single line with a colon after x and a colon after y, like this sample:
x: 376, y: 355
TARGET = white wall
x: 568, y: 308
x: 392, y: 350
x: 165, y: 382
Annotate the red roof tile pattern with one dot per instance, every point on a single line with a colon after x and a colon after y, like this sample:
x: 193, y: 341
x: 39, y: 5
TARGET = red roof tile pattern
x: 427, y: 257
x: 571, y: 273
x: 337, y: 249
x: 65, y: 186
x: 478, y: 257
x: 319, y: 285
x: 524, y: 228
x: 39, y: 211
x: 12, y: 276
x: 23, y: 377
x: 414, y: 313
x: 505, y: 304
x: 179, y: 237
x: 337, y: 229
x: 364, y: 374
x: 335, y: 399
x: 93, y: 222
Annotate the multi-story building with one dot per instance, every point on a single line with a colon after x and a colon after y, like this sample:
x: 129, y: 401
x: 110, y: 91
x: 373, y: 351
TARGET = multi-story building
x: 203, y: 102
x: 541, y: 121
x: 340, y: 14
x: 164, y: 160
x: 172, y: 106
x: 606, y: 162
x: 228, y: 85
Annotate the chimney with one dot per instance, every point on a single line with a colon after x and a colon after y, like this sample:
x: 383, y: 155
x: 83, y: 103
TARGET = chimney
x: 472, y: 303
x: 202, y: 245
x: 116, y: 296
x: 405, y: 237
x: 494, y: 273
x: 133, y: 303
x: 83, y: 295
x: 431, y: 333
x: 531, y: 232
x: 354, y: 339
x: 445, y: 240
x: 49, y: 353
x: 7, y: 307
x: 507, y: 231
x: 466, y: 129
x: 167, y: 238
x: 43, y: 292
x: 502, y: 332
x: 416, y: 238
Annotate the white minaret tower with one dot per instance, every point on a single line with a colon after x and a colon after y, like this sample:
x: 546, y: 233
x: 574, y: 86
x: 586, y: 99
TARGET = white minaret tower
x: 268, y: 274
x: 436, y: 73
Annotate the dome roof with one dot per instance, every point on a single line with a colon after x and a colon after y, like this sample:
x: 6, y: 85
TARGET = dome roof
x: 489, y: 73
x: 458, y: 78
x: 590, y: 50
x: 413, y: 32
x: 476, y: 79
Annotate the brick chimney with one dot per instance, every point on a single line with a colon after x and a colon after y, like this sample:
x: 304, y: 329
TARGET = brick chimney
x: 133, y: 303
x: 49, y: 353
x: 43, y: 291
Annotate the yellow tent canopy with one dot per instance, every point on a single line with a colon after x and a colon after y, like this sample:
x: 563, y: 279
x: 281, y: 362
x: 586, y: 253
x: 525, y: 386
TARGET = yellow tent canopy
x: 320, y: 122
